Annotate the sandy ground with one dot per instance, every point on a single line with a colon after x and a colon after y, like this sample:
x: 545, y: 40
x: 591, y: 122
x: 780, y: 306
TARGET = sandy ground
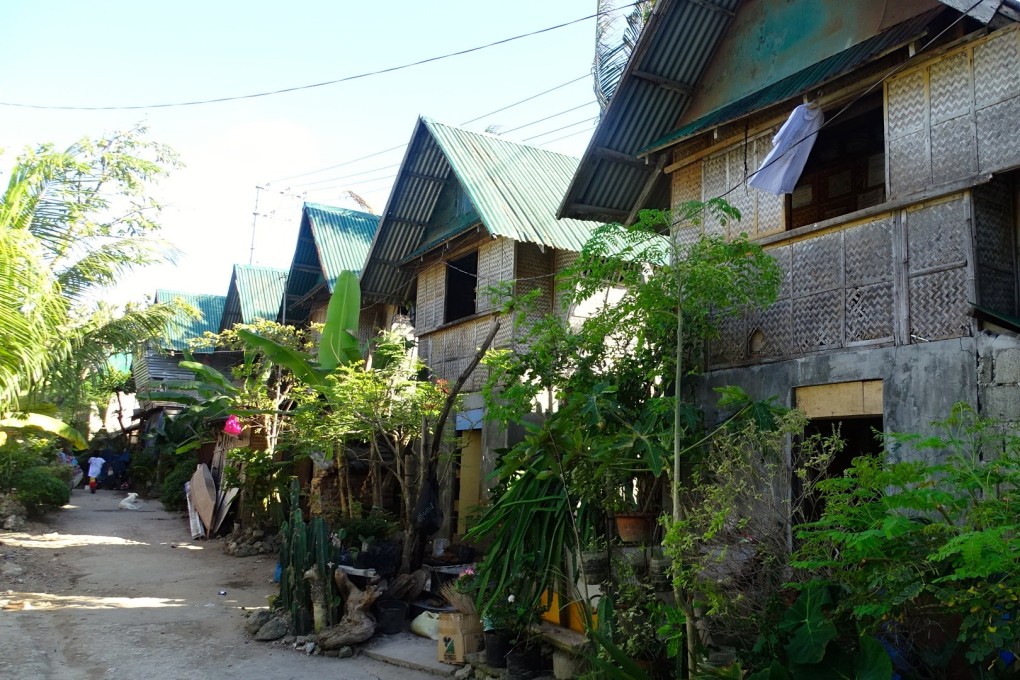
x: 101, y: 593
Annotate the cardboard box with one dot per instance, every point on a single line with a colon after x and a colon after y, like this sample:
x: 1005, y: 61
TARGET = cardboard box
x: 459, y: 635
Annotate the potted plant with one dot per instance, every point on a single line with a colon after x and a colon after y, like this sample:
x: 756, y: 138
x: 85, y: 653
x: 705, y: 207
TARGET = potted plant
x: 509, y: 617
x: 636, y: 614
x: 594, y: 561
x: 632, y: 525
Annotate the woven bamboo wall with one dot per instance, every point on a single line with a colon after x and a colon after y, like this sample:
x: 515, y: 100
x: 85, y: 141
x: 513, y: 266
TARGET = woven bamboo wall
x: 447, y: 351
x: 431, y: 298
x: 995, y: 243
x: 955, y: 116
x: 900, y: 277
x: 534, y: 275
x: 495, y: 264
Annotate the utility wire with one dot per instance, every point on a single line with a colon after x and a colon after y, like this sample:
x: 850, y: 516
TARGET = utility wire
x: 394, y: 165
x: 401, y: 146
x: 340, y: 165
x: 354, y: 174
x: 565, y: 127
x: 297, y: 88
x: 549, y: 117
x: 536, y: 96
x: 572, y: 134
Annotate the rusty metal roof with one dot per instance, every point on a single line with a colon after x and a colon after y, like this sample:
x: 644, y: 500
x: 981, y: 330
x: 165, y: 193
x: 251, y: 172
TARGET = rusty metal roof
x: 254, y: 293
x: 187, y: 328
x: 513, y: 189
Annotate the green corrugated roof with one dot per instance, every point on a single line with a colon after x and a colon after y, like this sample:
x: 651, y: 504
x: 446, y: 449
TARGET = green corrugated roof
x: 514, y: 188
x: 800, y: 82
x: 184, y: 329
x: 260, y: 291
x: 342, y: 238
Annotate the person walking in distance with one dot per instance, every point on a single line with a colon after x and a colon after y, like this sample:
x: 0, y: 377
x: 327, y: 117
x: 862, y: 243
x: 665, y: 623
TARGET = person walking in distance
x: 96, y: 464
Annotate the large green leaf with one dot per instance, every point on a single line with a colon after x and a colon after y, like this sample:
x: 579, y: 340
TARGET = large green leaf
x: 210, y: 375
x: 38, y: 421
x: 298, y: 363
x: 872, y: 662
x: 812, y: 629
x: 338, y: 343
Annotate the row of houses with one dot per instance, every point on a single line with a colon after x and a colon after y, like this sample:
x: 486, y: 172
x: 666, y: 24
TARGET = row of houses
x: 898, y: 243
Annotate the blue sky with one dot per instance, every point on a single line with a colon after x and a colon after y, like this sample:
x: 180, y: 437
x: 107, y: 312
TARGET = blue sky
x: 105, y: 53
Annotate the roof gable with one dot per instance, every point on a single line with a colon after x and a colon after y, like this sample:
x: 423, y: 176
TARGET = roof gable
x: 513, y: 189
x: 186, y: 328
x: 254, y: 293
x: 342, y: 238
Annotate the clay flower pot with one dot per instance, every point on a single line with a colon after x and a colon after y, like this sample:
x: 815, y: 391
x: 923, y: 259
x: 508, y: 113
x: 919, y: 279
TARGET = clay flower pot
x: 634, y: 528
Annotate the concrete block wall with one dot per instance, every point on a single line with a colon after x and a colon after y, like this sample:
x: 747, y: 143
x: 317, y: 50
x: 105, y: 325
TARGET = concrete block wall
x: 999, y: 377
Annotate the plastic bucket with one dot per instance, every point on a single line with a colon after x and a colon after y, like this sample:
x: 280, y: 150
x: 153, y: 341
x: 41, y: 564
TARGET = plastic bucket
x: 392, y: 614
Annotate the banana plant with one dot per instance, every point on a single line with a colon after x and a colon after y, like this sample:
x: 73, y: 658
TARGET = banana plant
x: 338, y: 342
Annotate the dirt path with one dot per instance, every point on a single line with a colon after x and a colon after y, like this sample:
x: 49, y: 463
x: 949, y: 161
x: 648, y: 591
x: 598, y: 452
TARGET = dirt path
x: 106, y: 593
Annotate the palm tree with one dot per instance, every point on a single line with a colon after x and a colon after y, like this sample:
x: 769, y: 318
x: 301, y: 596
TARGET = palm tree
x: 613, y: 46
x: 71, y: 223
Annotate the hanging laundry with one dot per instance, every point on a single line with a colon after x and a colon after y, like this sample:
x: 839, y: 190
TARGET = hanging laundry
x: 791, y: 147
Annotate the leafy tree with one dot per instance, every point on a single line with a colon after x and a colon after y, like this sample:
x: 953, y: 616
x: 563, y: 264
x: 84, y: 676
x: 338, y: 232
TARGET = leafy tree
x: 71, y: 223
x: 614, y: 375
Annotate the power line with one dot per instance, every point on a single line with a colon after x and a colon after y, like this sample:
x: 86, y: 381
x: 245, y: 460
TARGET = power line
x: 549, y: 117
x: 401, y: 146
x: 572, y: 134
x: 340, y: 165
x: 549, y: 132
x: 354, y: 174
x: 324, y: 83
x: 536, y: 96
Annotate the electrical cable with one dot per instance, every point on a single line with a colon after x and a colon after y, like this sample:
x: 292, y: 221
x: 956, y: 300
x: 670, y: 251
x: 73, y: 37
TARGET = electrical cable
x: 297, y: 88
x: 401, y: 146
x: 536, y: 96
x: 549, y: 132
x: 549, y: 117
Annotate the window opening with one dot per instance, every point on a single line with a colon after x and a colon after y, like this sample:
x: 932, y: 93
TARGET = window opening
x: 860, y: 439
x: 846, y: 169
x: 461, y: 284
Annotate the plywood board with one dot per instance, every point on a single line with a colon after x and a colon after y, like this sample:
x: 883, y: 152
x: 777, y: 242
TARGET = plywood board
x: 841, y: 400
x: 203, y: 492
x: 223, y: 507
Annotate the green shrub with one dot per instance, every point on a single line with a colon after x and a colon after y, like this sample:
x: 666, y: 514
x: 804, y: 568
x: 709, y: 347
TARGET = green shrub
x: 38, y: 489
x: 172, y: 495
x: 21, y: 453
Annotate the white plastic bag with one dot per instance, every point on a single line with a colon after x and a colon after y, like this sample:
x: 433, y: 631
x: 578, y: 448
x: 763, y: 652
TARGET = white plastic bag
x: 426, y: 624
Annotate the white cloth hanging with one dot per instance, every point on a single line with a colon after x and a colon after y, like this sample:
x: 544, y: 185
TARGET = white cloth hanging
x: 791, y: 147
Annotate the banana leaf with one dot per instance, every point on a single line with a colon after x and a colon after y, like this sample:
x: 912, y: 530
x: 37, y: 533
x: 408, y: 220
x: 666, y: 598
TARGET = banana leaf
x: 338, y: 344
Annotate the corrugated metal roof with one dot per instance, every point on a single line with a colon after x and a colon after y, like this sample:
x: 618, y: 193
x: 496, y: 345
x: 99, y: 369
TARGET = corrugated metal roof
x: 342, y: 238
x: 676, y: 44
x: 184, y: 329
x: 254, y: 293
x: 802, y: 81
x: 330, y: 240
x: 512, y: 187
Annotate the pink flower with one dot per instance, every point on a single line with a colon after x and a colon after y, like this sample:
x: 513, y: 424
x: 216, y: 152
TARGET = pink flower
x: 232, y: 426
